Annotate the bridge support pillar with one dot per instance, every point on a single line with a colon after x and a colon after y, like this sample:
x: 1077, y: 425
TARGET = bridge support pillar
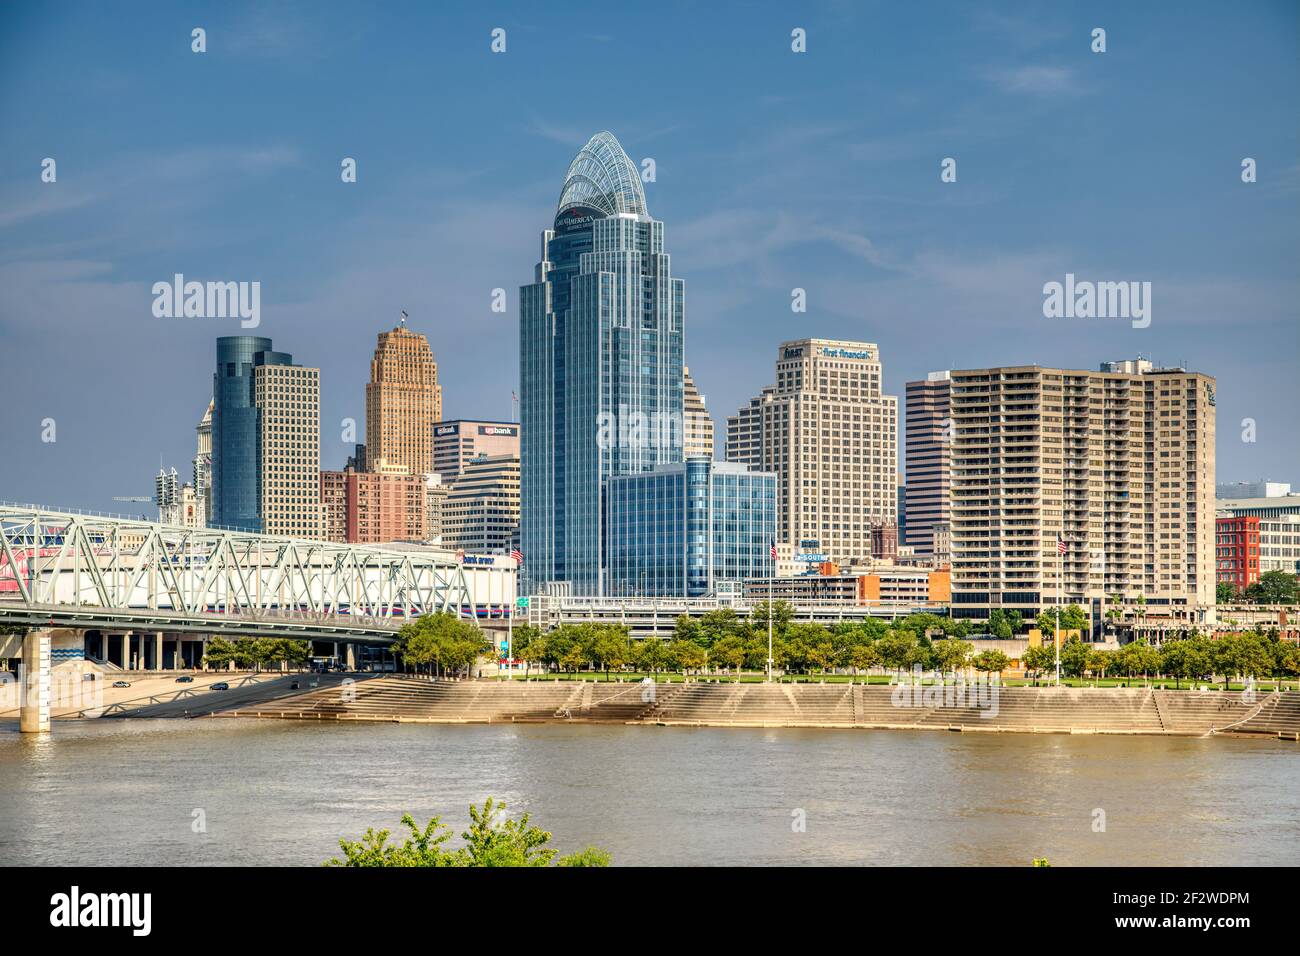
x: 126, y: 650
x: 34, y: 704
x: 157, y: 650
x: 351, y: 657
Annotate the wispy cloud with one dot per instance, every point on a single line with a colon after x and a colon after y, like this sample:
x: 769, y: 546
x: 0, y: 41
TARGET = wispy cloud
x: 1036, y: 80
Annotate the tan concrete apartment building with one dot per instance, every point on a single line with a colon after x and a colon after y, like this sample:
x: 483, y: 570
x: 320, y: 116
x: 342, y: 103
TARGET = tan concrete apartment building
x: 697, y: 423
x: 288, y: 447
x: 403, y: 402
x: 831, y: 435
x: 1119, y: 462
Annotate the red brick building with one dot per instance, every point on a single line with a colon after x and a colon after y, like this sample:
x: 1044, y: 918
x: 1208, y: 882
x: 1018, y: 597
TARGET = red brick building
x: 1237, y: 550
x: 370, y: 508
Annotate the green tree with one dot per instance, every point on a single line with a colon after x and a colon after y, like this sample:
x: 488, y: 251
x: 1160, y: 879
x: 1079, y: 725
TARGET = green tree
x: 951, y: 655
x: 1224, y: 592
x: 649, y: 655
x: 999, y: 625
x: 441, y: 641
x: 1073, y: 618
x: 489, y: 841
x: 1039, y: 660
x: 219, y: 653
x: 1273, y: 587
x: 898, y: 650
x: 863, y: 657
x: 728, y: 652
x: 1099, y: 661
x: 685, y: 656
x: 1187, y: 659
x: 1075, y: 655
x: 780, y: 612
x: 1242, y: 655
x: 991, y: 662
x: 610, y: 647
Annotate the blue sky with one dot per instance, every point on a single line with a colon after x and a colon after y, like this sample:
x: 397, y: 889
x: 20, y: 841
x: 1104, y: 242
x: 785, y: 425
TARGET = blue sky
x: 775, y: 170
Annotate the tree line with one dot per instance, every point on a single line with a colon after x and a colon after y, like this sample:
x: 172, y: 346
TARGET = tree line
x: 1273, y: 587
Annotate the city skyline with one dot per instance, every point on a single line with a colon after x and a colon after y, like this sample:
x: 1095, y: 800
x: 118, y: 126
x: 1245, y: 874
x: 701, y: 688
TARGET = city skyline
x: 791, y: 188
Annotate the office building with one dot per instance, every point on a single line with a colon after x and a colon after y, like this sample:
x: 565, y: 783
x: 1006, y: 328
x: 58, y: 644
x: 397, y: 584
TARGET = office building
x: 287, y: 398
x: 1248, y: 546
x: 403, y: 402
x: 830, y: 434
x: 370, y: 508
x: 898, y: 587
x: 457, y: 442
x: 601, y: 370
x: 203, y: 466
x: 481, y: 511
x: 927, y: 460
x: 265, y: 440
x: 697, y: 423
x: 1120, y: 465
x: 435, y: 502
x: 1238, y: 490
x: 684, y: 528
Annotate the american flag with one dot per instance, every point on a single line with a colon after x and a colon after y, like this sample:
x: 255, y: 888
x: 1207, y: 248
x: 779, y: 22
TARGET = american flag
x: 460, y: 555
x: 518, y: 556
x: 1060, y: 544
x: 774, y: 549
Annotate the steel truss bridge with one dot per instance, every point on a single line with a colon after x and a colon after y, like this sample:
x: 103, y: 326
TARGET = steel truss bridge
x: 83, y: 571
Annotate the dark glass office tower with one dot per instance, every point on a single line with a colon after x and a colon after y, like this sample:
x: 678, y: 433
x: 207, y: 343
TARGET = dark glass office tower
x: 601, y: 338
x: 235, y: 417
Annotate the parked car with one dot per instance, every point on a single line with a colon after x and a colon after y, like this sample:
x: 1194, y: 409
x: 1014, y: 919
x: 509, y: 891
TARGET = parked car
x: 121, y: 683
x: 220, y: 685
x: 185, y: 679
x: 295, y: 686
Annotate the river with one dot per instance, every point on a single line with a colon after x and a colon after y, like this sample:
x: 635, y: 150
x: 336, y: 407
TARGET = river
x: 282, y: 792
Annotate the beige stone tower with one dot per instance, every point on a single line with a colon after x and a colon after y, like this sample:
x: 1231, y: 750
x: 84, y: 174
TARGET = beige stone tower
x: 403, y: 402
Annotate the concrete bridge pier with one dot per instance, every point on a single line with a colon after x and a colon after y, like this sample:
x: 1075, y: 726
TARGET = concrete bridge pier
x: 34, y: 699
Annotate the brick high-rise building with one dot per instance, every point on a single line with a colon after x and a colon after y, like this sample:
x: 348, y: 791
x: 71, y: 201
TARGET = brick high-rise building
x: 369, y: 508
x: 831, y: 435
x: 1119, y: 463
x: 403, y: 402
x: 1237, y: 550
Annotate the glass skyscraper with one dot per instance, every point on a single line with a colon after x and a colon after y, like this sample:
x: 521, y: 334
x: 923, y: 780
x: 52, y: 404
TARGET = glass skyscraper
x: 683, y: 528
x: 600, y: 360
x: 236, y: 494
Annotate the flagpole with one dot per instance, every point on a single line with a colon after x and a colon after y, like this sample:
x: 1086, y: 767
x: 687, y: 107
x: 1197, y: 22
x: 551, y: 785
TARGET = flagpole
x: 1060, y: 545
x: 771, y: 612
x: 510, y: 633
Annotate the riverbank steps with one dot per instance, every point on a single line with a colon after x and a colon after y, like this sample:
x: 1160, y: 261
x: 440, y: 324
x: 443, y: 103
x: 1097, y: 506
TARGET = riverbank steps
x: 727, y: 703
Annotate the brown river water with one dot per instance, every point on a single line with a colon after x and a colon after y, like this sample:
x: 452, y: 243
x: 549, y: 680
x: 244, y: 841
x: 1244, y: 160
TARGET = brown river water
x: 282, y: 792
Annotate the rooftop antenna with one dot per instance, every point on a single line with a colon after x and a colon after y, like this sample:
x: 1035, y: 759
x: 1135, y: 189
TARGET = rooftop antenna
x: 401, y: 323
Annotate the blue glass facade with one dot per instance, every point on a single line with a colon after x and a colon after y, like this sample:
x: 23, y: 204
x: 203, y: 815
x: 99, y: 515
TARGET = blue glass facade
x: 236, y: 494
x: 600, y: 365
x: 680, y: 529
